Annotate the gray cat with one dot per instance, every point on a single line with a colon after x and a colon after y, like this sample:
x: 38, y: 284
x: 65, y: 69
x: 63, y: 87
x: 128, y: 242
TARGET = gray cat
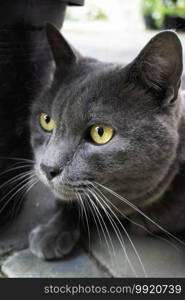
x: 110, y: 139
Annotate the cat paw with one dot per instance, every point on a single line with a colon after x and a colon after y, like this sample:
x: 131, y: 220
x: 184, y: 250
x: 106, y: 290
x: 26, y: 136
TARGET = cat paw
x: 48, y: 244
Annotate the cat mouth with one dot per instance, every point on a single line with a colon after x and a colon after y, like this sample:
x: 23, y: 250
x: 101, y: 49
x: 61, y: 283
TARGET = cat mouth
x: 70, y: 192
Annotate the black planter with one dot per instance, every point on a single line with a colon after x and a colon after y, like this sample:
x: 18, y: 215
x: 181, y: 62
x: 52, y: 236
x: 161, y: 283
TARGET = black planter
x: 25, y: 67
x: 149, y: 22
x: 174, y: 23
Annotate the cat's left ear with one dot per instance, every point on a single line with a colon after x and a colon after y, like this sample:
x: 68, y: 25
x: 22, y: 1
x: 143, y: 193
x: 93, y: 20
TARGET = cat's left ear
x: 159, y: 65
x: 63, y: 53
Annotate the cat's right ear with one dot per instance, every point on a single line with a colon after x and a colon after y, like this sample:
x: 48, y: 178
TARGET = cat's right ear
x: 63, y: 54
x: 159, y: 66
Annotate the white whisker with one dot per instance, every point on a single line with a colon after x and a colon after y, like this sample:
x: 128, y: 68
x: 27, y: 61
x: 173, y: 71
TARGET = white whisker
x: 125, y: 231
x: 135, y: 223
x: 21, y: 198
x: 101, y: 221
x: 117, y: 231
x: 87, y: 221
x: 14, y: 169
x: 17, y: 159
x: 17, y: 191
x: 15, y: 179
x: 93, y: 212
x: 141, y: 213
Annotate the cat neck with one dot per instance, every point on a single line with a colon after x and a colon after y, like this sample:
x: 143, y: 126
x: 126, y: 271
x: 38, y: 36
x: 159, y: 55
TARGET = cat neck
x: 156, y: 194
x: 163, y: 186
x: 178, y: 165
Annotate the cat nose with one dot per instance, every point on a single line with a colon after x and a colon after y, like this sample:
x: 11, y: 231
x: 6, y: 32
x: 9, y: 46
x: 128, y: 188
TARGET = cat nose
x: 50, y: 172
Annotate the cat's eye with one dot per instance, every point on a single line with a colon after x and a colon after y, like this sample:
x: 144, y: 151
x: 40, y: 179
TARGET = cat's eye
x: 46, y: 122
x: 101, y: 134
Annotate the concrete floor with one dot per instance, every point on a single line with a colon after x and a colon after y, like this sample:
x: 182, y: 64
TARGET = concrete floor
x: 110, y: 43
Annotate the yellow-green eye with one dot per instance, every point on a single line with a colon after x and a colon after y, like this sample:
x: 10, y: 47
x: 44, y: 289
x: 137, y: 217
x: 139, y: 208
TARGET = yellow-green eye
x: 101, y: 134
x: 46, y: 122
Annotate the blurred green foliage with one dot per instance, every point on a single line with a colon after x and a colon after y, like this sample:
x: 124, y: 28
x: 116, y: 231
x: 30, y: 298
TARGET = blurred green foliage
x: 95, y: 14
x: 158, y: 9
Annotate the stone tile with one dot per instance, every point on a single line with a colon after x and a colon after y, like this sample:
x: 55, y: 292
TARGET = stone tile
x: 24, y: 265
x: 38, y: 208
x: 160, y: 258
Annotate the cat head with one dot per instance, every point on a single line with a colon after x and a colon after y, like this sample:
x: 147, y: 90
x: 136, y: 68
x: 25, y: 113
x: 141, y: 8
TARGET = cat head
x: 105, y: 124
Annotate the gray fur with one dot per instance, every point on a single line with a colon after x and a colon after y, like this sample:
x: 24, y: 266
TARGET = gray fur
x: 142, y: 102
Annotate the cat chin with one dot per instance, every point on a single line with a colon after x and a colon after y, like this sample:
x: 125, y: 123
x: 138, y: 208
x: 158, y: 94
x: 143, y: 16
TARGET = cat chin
x: 67, y: 195
x: 62, y: 195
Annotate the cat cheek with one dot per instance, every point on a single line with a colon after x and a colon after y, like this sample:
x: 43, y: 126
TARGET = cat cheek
x: 37, y: 141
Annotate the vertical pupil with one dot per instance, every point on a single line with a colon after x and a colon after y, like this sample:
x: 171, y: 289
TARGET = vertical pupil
x: 47, y: 119
x: 100, y: 131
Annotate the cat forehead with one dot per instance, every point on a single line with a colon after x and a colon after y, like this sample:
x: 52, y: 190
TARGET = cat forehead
x: 93, y: 88
x: 89, y: 77
x: 98, y: 83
